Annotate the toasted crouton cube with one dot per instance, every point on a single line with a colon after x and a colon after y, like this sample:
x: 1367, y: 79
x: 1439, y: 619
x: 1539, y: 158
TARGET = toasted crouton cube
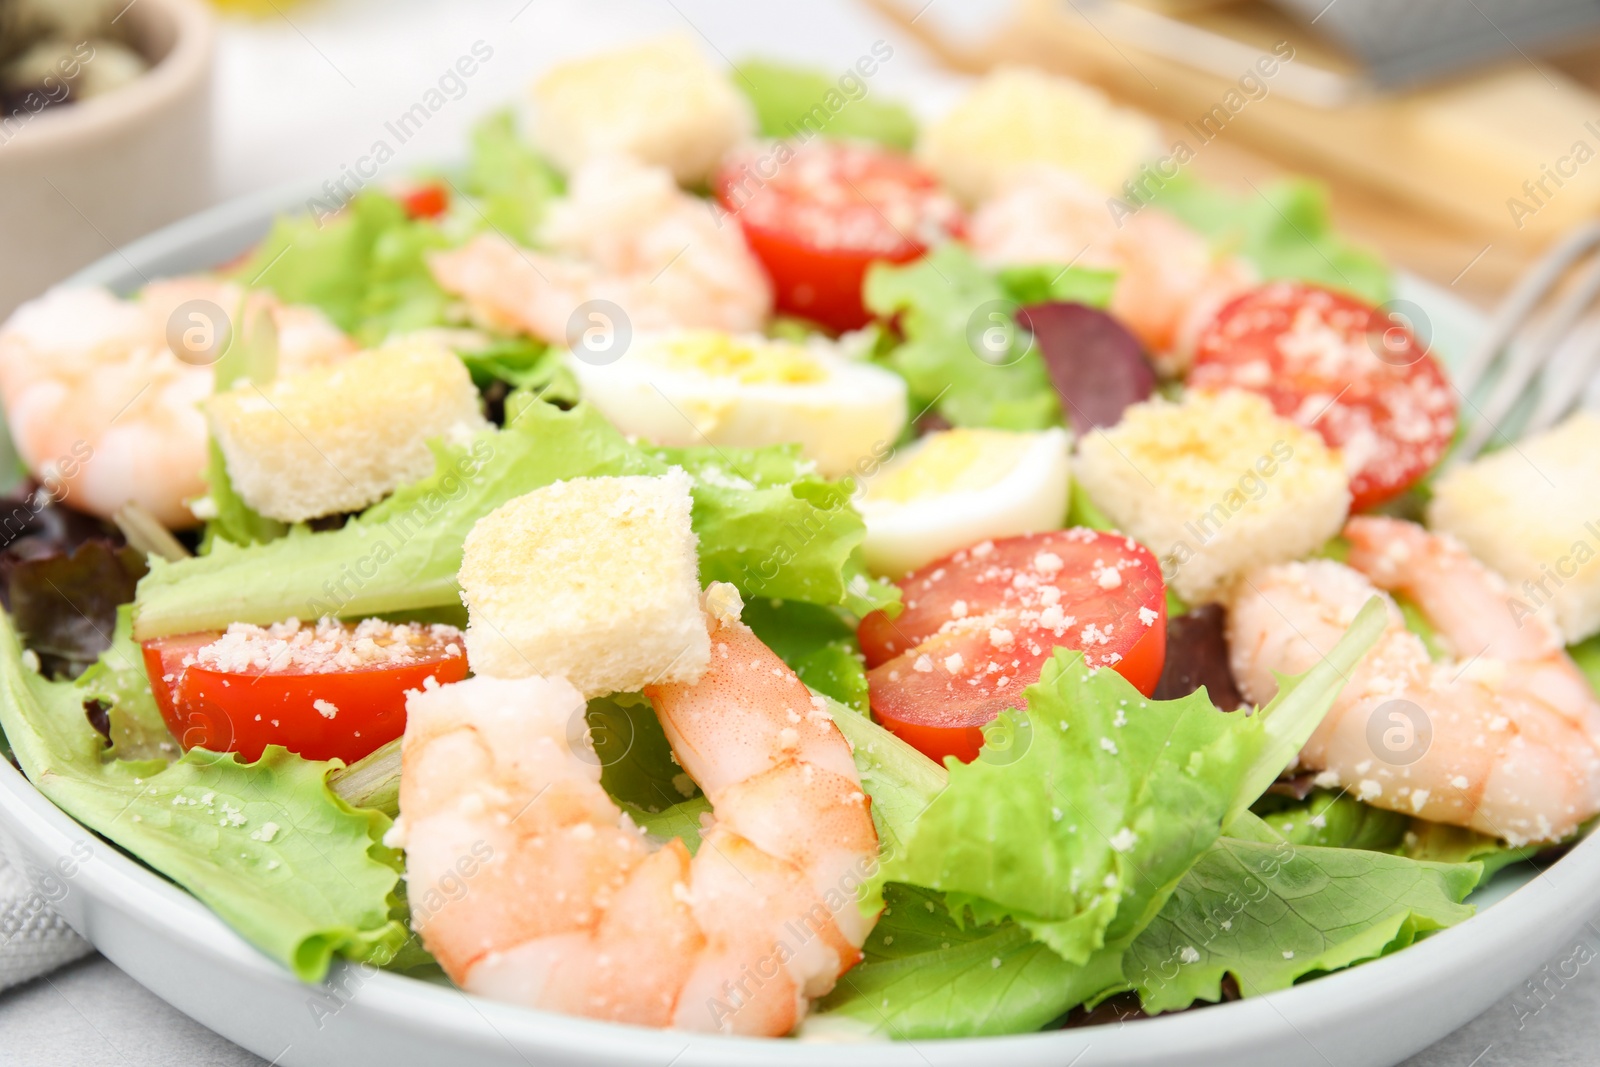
x: 339, y: 438
x: 1015, y: 117
x: 660, y: 102
x: 595, y: 579
x: 1533, y: 514
x: 1214, y: 486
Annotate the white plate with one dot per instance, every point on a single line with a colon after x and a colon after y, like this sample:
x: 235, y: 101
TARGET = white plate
x: 1369, y: 1016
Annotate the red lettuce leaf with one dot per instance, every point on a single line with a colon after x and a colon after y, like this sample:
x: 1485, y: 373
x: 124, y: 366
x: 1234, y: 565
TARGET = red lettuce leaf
x: 1197, y: 655
x: 1095, y: 364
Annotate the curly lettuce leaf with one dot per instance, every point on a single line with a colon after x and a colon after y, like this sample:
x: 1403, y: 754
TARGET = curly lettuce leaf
x: 118, y: 681
x: 1269, y: 913
x: 1284, y: 229
x: 251, y: 353
x: 795, y: 101
x: 1112, y: 796
x: 520, y: 362
x: 1329, y: 819
x: 771, y: 526
x: 365, y: 268
x: 402, y: 554
x: 1045, y: 283
x: 296, y: 871
x: 947, y: 304
x: 1109, y: 797
x: 819, y: 643
x: 636, y: 763
x: 1439, y: 843
x: 510, y: 181
x: 230, y: 518
x: 927, y: 976
x: 901, y: 781
x: 1337, y: 820
x: 794, y: 539
x: 949, y: 963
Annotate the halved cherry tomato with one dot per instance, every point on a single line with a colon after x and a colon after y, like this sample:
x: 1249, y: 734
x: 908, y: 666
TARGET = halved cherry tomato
x: 426, y: 201
x: 336, y: 699
x: 1341, y: 367
x: 978, y: 626
x: 818, y: 214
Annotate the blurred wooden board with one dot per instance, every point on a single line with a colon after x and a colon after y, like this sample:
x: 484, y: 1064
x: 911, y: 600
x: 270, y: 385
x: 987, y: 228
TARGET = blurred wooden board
x: 1429, y: 178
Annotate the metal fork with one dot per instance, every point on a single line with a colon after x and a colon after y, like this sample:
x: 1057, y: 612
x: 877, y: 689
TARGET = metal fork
x: 1551, y: 357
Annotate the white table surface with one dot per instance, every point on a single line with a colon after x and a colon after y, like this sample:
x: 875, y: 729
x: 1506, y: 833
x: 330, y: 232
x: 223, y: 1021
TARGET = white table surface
x: 299, y: 96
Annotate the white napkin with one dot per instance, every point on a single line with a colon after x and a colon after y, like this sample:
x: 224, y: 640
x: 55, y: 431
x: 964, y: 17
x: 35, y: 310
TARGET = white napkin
x: 34, y: 940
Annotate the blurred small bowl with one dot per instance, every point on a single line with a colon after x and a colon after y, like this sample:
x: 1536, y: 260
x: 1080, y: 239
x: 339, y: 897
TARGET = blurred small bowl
x: 78, y: 180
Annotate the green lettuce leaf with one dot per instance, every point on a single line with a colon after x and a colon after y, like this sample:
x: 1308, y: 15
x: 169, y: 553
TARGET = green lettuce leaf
x: 511, y: 183
x: 1043, y: 283
x: 1270, y: 913
x: 118, y: 681
x: 373, y: 781
x: 901, y: 781
x: 364, y: 268
x: 296, y: 871
x: 1284, y: 229
x: 636, y: 764
x: 682, y: 820
x: 948, y: 305
x: 231, y: 519
x: 927, y: 976
x: 1337, y: 820
x: 253, y: 356
x: 771, y: 526
x: 795, y: 101
x: 791, y: 539
x: 976, y: 973
x: 818, y: 642
x: 520, y: 362
x: 1439, y: 843
x: 1105, y: 798
x: 1109, y: 796
x: 1331, y: 819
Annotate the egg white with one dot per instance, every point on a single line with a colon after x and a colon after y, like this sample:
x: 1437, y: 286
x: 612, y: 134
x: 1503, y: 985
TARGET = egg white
x: 843, y: 420
x: 1030, y: 497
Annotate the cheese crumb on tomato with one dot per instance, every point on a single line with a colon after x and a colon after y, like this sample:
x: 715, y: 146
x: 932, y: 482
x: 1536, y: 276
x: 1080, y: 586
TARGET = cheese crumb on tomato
x: 295, y: 647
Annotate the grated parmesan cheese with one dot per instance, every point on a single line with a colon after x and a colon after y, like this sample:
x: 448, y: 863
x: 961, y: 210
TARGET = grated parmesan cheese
x: 295, y: 647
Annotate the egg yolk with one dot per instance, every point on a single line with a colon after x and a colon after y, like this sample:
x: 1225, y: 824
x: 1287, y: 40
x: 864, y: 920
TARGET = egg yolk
x: 718, y: 355
x: 953, y: 461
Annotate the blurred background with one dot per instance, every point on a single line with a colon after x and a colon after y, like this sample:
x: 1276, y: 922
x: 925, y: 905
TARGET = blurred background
x: 1456, y: 136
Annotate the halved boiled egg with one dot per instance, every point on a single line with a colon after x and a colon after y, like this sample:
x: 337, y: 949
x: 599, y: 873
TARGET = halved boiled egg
x: 958, y: 487
x: 698, y: 387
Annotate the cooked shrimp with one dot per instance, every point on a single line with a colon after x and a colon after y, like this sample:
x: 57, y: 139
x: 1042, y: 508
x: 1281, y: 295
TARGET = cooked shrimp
x: 1169, y: 284
x: 1502, y: 736
x: 626, y: 234
x: 101, y: 409
x: 570, y: 908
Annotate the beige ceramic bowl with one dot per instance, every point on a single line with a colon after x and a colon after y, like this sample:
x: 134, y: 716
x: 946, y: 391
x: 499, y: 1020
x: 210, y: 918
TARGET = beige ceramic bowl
x: 78, y: 181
